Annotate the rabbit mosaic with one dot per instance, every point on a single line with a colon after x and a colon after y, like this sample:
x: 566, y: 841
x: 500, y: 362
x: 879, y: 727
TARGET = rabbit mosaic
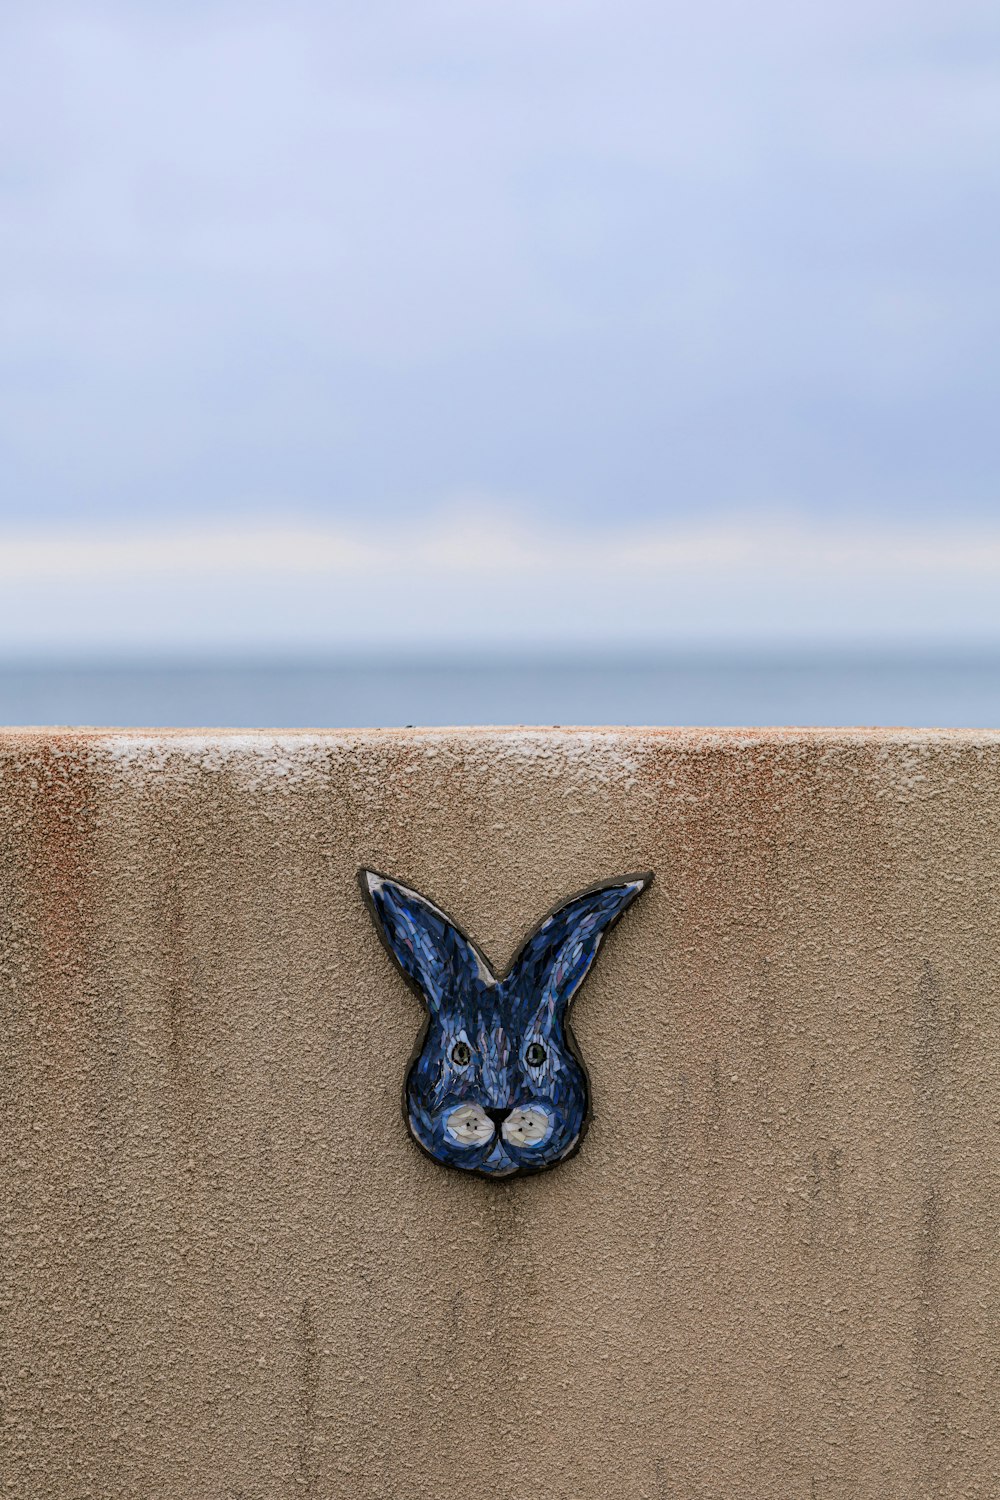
x: 496, y: 1084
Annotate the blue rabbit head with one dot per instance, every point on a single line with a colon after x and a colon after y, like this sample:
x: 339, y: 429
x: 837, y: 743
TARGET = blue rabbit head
x: 496, y: 1084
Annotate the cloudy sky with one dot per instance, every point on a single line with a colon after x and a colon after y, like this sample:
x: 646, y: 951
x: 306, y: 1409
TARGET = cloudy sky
x: 497, y: 321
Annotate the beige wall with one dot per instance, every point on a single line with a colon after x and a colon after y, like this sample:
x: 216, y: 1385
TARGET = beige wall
x: 227, y: 1273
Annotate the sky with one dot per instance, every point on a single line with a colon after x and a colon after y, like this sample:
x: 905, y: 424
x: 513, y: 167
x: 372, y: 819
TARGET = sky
x: 498, y: 322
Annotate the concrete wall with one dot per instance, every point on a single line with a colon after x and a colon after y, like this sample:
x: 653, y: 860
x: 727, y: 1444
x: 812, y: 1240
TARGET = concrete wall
x: 226, y: 1273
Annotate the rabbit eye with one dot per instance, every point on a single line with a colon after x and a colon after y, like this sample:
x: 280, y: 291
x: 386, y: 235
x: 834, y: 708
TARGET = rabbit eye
x: 461, y: 1054
x: 535, y: 1054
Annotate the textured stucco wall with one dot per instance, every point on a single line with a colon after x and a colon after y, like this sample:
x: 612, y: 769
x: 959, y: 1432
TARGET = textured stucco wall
x: 226, y: 1273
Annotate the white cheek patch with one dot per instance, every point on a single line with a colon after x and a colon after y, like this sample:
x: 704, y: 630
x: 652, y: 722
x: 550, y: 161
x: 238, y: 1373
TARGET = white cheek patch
x: 468, y: 1125
x: 527, y: 1127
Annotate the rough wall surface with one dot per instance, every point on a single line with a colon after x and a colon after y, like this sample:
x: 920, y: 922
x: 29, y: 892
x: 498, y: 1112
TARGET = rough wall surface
x: 226, y: 1272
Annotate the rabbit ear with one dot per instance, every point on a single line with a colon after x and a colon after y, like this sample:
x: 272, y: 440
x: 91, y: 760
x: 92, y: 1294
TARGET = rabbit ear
x: 434, y: 954
x: 556, y: 958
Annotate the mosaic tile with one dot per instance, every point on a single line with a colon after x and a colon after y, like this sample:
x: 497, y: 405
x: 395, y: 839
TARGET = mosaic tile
x: 496, y: 1084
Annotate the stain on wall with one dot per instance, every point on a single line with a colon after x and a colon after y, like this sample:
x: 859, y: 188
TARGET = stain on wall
x: 226, y: 1273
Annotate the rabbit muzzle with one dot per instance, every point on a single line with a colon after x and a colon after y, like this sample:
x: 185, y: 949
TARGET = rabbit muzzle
x: 523, y: 1126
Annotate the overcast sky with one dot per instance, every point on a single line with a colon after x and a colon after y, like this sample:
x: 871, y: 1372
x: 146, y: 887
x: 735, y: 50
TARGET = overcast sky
x: 648, y: 269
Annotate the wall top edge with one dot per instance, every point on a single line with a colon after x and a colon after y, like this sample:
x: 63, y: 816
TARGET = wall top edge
x: 687, y: 734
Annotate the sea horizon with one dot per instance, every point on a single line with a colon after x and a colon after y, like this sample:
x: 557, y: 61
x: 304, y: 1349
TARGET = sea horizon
x: 703, y: 685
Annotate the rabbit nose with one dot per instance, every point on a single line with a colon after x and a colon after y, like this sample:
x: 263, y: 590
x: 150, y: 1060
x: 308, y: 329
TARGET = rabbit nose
x: 498, y: 1115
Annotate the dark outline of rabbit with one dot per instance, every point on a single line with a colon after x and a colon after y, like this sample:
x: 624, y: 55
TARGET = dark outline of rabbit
x: 461, y: 990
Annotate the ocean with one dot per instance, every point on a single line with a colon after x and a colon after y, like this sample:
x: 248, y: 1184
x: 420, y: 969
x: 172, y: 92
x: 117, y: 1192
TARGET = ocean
x: 693, y: 688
